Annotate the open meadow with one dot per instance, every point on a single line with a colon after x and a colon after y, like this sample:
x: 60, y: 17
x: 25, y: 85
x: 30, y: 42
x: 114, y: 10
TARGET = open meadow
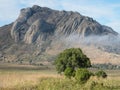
x: 22, y: 77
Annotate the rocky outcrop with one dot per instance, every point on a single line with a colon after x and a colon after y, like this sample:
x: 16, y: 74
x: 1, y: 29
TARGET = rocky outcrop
x: 20, y: 26
x: 39, y: 29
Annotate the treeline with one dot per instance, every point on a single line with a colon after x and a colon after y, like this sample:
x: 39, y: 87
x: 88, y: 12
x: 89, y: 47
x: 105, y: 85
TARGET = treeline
x: 106, y: 66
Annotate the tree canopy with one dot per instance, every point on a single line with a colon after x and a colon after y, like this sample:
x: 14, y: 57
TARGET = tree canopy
x: 71, y: 58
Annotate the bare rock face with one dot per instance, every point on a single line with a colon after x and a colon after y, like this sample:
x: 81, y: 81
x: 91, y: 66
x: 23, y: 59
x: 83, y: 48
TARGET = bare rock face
x: 38, y: 21
x: 38, y: 28
x: 20, y: 26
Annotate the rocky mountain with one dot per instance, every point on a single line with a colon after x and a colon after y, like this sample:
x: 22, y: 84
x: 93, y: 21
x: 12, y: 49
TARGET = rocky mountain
x: 41, y: 22
x: 40, y: 33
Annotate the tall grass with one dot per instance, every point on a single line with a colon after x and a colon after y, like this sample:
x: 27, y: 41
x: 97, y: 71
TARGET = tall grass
x: 67, y: 84
x: 55, y: 82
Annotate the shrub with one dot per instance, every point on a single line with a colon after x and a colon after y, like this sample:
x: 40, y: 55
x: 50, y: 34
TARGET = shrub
x: 101, y: 74
x: 82, y: 75
x: 69, y: 72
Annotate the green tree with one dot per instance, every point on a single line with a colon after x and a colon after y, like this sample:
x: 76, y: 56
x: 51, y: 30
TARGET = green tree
x: 71, y: 58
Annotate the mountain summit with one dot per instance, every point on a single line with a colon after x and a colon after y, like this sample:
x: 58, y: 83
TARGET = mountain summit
x: 40, y: 33
x: 40, y: 23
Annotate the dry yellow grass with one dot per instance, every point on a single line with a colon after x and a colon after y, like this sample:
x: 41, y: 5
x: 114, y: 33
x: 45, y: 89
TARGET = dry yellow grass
x: 18, y: 80
x: 12, y: 79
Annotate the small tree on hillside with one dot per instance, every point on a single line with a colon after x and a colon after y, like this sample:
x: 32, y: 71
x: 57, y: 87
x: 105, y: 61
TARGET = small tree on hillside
x: 71, y: 59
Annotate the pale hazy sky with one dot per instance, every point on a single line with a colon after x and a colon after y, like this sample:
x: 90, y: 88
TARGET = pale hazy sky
x: 106, y: 12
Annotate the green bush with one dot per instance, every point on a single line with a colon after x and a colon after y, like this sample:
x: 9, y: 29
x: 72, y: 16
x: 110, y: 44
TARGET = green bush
x: 69, y: 72
x: 101, y: 74
x: 82, y: 75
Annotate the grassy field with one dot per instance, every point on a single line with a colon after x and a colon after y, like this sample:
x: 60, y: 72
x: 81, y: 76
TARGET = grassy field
x: 22, y: 77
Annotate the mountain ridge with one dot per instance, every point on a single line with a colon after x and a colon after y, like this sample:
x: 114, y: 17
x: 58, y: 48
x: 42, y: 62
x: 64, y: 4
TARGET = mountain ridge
x: 62, y: 22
